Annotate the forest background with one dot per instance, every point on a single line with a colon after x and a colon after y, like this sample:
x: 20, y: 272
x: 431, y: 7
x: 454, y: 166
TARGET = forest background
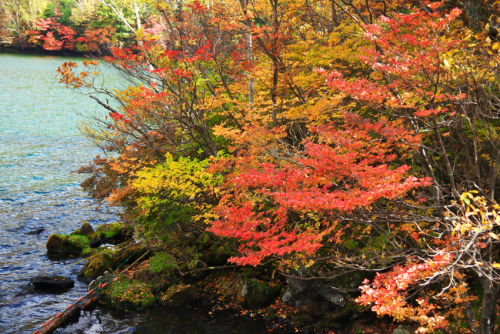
x: 70, y: 26
x: 313, y: 138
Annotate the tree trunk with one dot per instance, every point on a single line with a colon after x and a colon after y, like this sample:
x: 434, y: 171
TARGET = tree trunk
x: 488, y: 309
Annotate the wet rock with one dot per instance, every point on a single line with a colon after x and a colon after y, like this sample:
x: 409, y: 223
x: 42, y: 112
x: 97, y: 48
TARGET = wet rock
x: 86, y: 229
x: 35, y: 232
x: 178, y: 295
x: 404, y: 330
x: 67, y: 244
x: 52, y: 282
x: 254, y: 294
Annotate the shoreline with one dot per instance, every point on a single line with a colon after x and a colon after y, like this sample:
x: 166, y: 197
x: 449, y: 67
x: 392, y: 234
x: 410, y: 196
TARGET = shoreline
x: 146, y: 282
x: 36, y: 52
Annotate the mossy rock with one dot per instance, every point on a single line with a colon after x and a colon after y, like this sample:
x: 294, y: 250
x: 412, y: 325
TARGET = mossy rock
x: 96, y: 266
x: 110, y: 260
x: 127, y: 294
x: 76, y: 232
x: 254, y: 294
x: 130, y: 254
x: 86, y: 229
x: 115, y: 232
x: 156, y: 281
x: 95, y: 238
x: 178, y: 295
x: 67, y: 244
x: 87, y: 252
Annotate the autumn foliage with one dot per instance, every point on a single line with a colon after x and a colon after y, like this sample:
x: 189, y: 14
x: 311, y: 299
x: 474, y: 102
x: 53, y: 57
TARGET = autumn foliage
x: 54, y: 35
x: 326, y: 137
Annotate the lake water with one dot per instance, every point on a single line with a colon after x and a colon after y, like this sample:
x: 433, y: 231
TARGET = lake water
x: 39, y: 147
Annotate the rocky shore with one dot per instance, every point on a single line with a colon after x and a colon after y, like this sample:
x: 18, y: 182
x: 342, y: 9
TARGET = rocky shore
x: 145, y: 275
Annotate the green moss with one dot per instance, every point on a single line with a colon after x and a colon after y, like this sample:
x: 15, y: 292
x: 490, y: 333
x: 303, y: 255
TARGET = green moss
x: 76, y: 232
x: 89, y: 252
x: 92, y: 251
x: 112, y: 230
x: 94, y: 238
x: 161, y: 263
x: 98, y: 265
x: 80, y: 239
x: 65, y: 243
x: 127, y: 294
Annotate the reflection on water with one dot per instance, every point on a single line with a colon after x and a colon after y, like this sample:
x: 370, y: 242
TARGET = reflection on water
x: 39, y: 147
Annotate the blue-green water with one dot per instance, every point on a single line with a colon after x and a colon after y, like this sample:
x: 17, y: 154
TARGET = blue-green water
x: 39, y: 147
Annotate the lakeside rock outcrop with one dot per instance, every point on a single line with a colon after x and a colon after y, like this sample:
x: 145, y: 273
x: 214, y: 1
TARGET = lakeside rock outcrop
x: 84, y: 239
x: 310, y: 304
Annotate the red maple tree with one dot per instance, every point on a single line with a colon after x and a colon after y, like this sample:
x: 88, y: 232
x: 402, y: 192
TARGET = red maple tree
x: 55, y: 36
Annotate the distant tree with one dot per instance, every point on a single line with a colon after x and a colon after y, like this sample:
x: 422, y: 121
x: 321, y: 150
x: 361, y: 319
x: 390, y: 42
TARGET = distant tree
x: 55, y: 36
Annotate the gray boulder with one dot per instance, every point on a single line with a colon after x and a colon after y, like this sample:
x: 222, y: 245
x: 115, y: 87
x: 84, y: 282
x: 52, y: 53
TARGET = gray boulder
x: 304, y: 294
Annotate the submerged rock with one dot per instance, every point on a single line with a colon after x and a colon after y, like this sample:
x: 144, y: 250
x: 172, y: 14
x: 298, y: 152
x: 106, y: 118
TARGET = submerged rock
x: 178, y: 295
x: 254, y: 294
x: 36, y: 231
x: 52, y: 282
x: 67, y: 244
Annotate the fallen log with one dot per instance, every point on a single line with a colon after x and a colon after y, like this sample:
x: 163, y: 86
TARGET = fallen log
x: 62, y: 318
x: 89, y: 303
